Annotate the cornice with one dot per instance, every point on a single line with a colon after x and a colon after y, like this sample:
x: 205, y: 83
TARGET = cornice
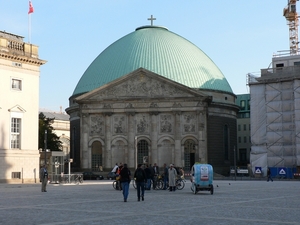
x: 22, y: 59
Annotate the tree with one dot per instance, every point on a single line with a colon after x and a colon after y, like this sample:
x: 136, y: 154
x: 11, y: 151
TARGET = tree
x: 53, y: 142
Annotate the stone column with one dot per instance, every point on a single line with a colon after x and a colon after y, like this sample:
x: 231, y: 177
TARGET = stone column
x: 177, y: 137
x: 202, y: 137
x: 131, y: 141
x: 85, y: 148
x: 108, y: 153
x: 153, y: 151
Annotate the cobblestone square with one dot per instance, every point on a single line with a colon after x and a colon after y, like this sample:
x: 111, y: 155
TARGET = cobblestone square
x: 96, y: 202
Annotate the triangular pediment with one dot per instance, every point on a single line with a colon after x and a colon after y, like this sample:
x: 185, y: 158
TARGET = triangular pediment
x: 138, y: 84
x: 17, y: 108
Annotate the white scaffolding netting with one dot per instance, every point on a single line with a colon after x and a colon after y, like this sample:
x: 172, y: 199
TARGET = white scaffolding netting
x: 275, y: 125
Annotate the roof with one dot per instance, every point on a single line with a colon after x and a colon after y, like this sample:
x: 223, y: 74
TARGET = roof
x: 160, y: 51
x: 56, y: 116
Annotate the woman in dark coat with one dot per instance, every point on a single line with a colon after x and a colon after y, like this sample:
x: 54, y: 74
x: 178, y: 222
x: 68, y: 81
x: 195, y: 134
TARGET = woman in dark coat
x: 125, y: 178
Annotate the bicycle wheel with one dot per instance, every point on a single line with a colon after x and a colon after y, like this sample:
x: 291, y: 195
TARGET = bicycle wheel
x: 159, y: 185
x: 66, y: 181
x: 180, y: 184
x: 115, y: 185
x: 76, y: 180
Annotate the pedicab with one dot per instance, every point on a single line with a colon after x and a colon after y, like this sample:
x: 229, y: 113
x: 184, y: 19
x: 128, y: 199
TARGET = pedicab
x: 202, y: 178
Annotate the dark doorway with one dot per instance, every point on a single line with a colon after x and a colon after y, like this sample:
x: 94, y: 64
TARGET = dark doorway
x: 96, y: 155
x: 189, y: 154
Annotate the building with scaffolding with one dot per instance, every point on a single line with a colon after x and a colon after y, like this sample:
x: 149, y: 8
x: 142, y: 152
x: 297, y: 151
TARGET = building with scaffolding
x: 275, y: 116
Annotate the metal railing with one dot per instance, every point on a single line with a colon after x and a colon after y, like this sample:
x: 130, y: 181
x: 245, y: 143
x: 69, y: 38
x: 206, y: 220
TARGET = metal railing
x: 289, y: 70
x: 64, y: 178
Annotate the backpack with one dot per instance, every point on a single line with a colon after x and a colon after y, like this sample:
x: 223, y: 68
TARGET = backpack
x: 139, y: 175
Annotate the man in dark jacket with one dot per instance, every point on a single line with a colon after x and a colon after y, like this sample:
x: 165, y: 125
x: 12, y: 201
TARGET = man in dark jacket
x: 148, y: 176
x: 140, y: 178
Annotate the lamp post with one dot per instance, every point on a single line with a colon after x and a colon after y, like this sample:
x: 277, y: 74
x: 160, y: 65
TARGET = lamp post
x: 45, y: 146
x: 234, y: 157
x: 136, y: 158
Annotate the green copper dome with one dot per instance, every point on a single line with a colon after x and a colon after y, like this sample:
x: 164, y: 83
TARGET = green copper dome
x: 160, y: 51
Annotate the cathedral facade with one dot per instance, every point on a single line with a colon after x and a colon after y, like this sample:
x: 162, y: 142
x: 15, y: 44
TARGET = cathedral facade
x: 144, y: 116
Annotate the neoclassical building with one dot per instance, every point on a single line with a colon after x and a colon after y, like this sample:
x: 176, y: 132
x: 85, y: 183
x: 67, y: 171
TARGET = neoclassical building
x: 152, y: 97
x: 19, y: 107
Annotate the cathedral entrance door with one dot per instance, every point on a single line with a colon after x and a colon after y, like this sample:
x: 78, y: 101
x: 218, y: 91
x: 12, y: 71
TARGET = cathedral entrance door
x: 142, y: 151
x: 189, y: 154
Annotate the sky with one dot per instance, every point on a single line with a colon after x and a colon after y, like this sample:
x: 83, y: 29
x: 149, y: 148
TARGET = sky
x: 240, y: 36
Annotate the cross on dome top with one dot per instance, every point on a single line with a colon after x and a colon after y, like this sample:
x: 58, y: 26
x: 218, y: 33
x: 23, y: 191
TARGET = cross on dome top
x: 151, y: 18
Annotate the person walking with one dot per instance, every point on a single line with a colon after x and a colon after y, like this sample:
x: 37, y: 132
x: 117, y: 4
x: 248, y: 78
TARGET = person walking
x: 269, y: 174
x: 172, y: 178
x: 166, y: 174
x: 44, y: 177
x: 140, y: 179
x: 118, y: 176
x: 125, y: 178
x: 148, y: 176
x: 156, y: 172
x: 156, y: 169
x: 152, y: 176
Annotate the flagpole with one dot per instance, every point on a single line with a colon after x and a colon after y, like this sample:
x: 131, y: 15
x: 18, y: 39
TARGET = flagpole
x: 31, y: 10
x: 29, y: 28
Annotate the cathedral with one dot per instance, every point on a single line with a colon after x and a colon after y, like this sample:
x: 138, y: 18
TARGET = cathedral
x: 152, y: 97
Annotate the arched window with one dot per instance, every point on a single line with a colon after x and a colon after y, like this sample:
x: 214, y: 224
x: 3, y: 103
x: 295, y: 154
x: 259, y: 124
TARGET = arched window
x: 226, y: 142
x: 189, y: 154
x: 142, y: 151
x: 96, y: 155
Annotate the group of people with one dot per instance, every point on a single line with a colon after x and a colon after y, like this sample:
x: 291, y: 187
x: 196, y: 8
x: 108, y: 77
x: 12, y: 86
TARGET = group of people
x: 141, y: 176
x: 144, y: 176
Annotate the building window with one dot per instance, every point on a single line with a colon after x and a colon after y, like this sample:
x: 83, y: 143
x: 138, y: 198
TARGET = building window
x: 249, y: 139
x: 16, y: 84
x: 239, y: 127
x: 296, y: 63
x: 15, y: 134
x: 243, y: 105
x: 279, y: 65
x: 142, y: 152
x: 96, y: 155
x: 240, y: 139
x: 16, y: 175
x: 243, y: 155
x: 248, y: 104
x: 245, y: 127
x: 245, y: 139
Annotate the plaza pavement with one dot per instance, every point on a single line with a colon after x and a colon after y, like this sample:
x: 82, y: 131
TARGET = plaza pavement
x: 238, y: 202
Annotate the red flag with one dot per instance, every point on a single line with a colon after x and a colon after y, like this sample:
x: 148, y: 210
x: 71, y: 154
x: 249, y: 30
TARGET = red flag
x: 30, y: 8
